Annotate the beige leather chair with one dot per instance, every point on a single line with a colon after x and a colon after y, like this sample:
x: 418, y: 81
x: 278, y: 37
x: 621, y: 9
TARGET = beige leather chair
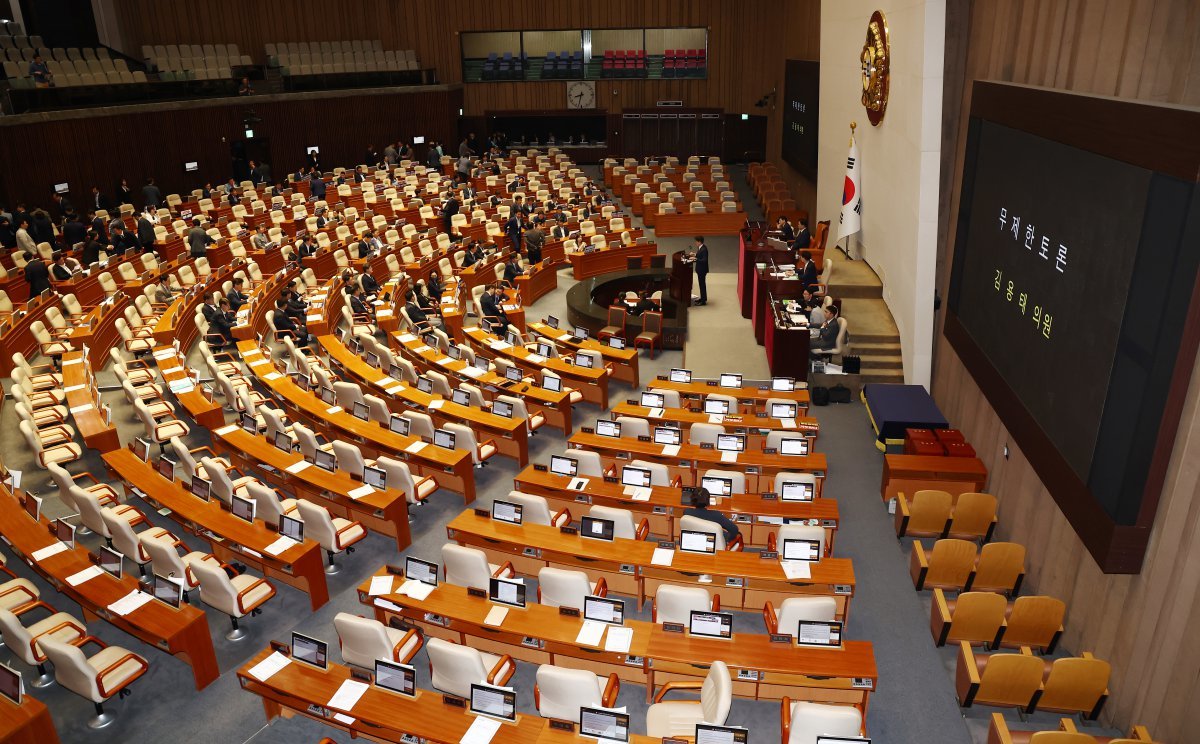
x: 674, y: 604
x: 559, y: 693
x: 679, y: 718
x: 560, y: 587
x: 803, y: 722
x: 24, y: 641
x: 469, y: 567
x: 795, y: 609
x: 363, y: 640
x: 696, y: 524
x: 237, y: 597
x: 400, y: 477
x: 127, y: 542
x: 97, y: 678
x: 705, y: 433
x: 464, y: 439
x: 737, y: 477
x: 797, y: 532
x: 535, y: 510
x: 334, y: 534
x: 166, y: 561
x: 454, y: 668
x: 623, y: 526
x: 632, y: 426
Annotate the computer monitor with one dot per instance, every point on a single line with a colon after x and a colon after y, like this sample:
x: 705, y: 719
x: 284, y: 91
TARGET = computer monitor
x: 668, y: 435
x: 597, y: 528
x: 783, y: 410
x: 248, y: 423
x: 111, y: 561
x: 396, y: 372
x: 716, y: 405
x: 361, y: 410
x: 418, y: 140
x: 795, y: 549
x: 397, y: 424
x: 141, y: 448
x: 65, y: 532
x: 496, y: 702
x: 653, y: 400
x: 200, y: 488
x: 33, y: 505
x: 717, y: 486
x: 431, y: 340
x: 639, y: 477
x: 301, y: 380
x: 731, y: 442
x: 545, y: 349
x: 328, y: 396
x: 443, y: 439
x: 166, y: 467
x: 375, y: 477
x: 326, y: 460
x: 461, y: 397
x: 310, y: 650
x: 425, y: 572
x: 711, y: 624
x: 728, y: 380
x: 291, y: 527
x: 10, y: 684
x: 481, y: 363
x: 796, y: 491
x: 398, y: 678
x: 512, y: 374
x: 606, y: 428
x: 454, y: 352
x: 283, y: 441
x: 793, y: 446
x: 61, y: 188
x: 819, y: 633
x: 560, y: 465
x: 681, y: 375
x: 783, y: 384
x: 167, y: 591
x: 587, y: 361
x: 372, y: 359
x: 506, y: 591
x: 616, y: 342
x: 552, y: 322
x: 694, y: 541
x: 552, y: 383
x: 425, y: 385
x: 580, y: 333
x: 486, y: 325
x: 502, y: 408
x: 606, y: 725
x: 243, y: 508
x: 707, y: 733
x: 506, y: 511
x: 605, y: 610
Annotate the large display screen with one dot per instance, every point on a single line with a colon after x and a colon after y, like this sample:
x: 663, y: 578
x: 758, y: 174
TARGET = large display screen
x: 1071, y: 295
x: 801, y: 93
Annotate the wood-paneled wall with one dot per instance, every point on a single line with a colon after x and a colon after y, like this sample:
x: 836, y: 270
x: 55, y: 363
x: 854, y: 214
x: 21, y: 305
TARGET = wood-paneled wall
x: 1147, y: 49
x: 98, y: 150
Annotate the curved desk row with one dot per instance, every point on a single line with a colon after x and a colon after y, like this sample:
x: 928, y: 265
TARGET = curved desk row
x: 751, y: 398
x: 624, y: 362
x: 608, y: 259
x: 591, y: 383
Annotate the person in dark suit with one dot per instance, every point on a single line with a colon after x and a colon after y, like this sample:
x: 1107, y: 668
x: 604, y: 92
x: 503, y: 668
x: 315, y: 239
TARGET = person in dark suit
x: 296, y: 307
x: 434, y: 285
x: 122, y: 240
x: 702, y: 268
x: 145, y: 233
x: 91, y: 249
x: 469, y: 192
x: 316, y: 186
x: 37, y: 276
x: 124, y: 193
x: 64, y: 205
x: 223, y: 321
x: 209, y: 308
x: 491, y: 302
x: 98, y: 200
x: 473, y: 255
x: 784, y: 228
x: 198, y: 240
x: 236, y: 296
x: 450, y: 208
x: 151, y: 195
x: 74, y: 231
x: 808, y: 299
x: 701, y: 509
x: 306, y: 248
x: 644, y: 303
x: 60, y: 272
x: 534, y: 240
x: 560, y: 230
x: 98, y: 224
x: 285, y: 322
x: 828, y: 332
x: 512, y: 269
x: 807, y: 270
x: 803, y: 237
x: 416, y: 313
x: 369, y: 285
x: 512, y: 230
x: 359, y: 306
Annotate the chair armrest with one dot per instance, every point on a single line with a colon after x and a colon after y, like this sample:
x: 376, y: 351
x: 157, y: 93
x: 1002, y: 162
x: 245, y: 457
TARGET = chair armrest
x: 939, y: 617
x: 601, y: 588
x: 412, y: 633
x: 677, y: 482
x: 642, y: 530
x: 506, y: 571
x: 104, y: 691
x: 42, y: 366
x: 1141, y: 733
x: 34, y: 605
x: 677, y: 685
x: 738, y: 544
x: 11, y: 575
x: 206, y: 449
x: 242, y: 594
x: 998, y: 731
x: 502, y: 672
x: 80, y: 633
x: 770, y: 619
x: 918, y: 565
x: 716, y: 603
x: 1067, y: 725
x: 347, y: 528
x: 612, y: 470
x: 902, y: 515
x: 785, y: 719
x: 562, y: 517
x: 87, y: 474
x: 89, y: 640
x: 609, y: 698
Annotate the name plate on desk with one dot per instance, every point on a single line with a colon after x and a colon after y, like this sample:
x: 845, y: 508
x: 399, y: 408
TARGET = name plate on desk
x: 770, y: 450
x: 476, y: 592
x: 562, y: 725
x: 644, y: 438
x: 710, y: 383
x: 706, y: 446
x: 673, y: 627
x: 768, y: 555
x: 457, y: 702
x: 780, y: 638
x: 587, y: 430
x: 568, y: 611
x: 541, y: 468
x: 610, y: 479
x: 483, y: 513
x: 770, y: 496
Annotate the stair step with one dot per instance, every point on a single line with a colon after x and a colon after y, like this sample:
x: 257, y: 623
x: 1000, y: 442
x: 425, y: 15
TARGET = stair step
x: 874, y: 362
x: 856, y: 291
x: 883, y: 375
x: 876, y: 347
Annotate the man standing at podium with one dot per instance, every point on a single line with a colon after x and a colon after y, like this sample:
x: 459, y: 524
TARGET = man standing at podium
x: 702, y: 268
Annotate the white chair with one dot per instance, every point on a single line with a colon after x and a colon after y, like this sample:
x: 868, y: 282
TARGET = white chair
x: 797, y: 532
x: 464, y: 439
x: 560, y: 587
x: 91, y: 512
x: 660, y: 474
x: 559, y: 693
x: 679, y: 718
x: 705, y: 433
x: 632, y: 426
x: 25, y: 641
x: 590, y: 465
x: 363, y: 640
x: 454, y: 668
x: 696, y: 524
x: 469, y: 567
x: 187, y: 460
x: 736, y: 477
x: 159, y: 432
x: 166, y: 561
x: 416, y: 490
x: 535, y: 510
x: 670, y: 397
x: 97, y: 678
x: 803, y: 722
x: 804, y: 478
x: 270, y: 506
x: 349, y: 458
x: 674, y: 604
x: 224, y: 487
x: 237, y: 597
x: 795, y: 609
x: 127, y: 542
x: 622, y: 519
x: 334, y: 534
x: 520, y: 411
x: 46, y: 452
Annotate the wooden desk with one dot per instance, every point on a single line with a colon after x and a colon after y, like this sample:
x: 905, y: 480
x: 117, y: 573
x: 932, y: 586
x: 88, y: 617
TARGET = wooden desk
x: 608, y: 259
x: 767, y: 287
x: 556, y: 407
x: 537, y: 281
x: 230, y: 538
x: 510, y: 435
x: 592, y: 383
x: 452, y: 469
x: 98, y: 331
x: 624, y: 362
x: 27, y: 723
x: 180, y: 632
x: 912, y: 473
x: 691, y: 461
x: 83, y: 402
x: 751, y: 398
x: 384, y: 512
x: 787, y: 348
x: 752, y: 250
x: 626, y: 564
x: 16, y: 333
x: 666, y: 505
x: 708, y: 223
x: 755, y: 427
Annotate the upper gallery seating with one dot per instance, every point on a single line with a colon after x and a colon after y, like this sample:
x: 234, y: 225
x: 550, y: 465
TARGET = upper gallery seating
x: 504, y: 66
x: 326, y: 57
x: 620, y: 63
x: 563, y: 65
x: 70, y: 67
x: 195, y: 61
x: 684, y: 63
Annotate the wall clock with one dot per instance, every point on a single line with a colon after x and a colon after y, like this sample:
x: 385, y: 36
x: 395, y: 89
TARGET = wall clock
x: 876, y: 62
x: 581, y: 94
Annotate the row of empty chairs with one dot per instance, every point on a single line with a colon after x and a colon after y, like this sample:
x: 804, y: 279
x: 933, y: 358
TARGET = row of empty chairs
x: 185, y: 57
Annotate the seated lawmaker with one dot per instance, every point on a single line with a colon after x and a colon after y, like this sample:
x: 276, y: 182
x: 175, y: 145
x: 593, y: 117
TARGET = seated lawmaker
x: 701, y: 501
x: 803, y: 236
x: 417, y: 314
x: 828, y: 332
x: 285, y: 322
x: 512, y: 269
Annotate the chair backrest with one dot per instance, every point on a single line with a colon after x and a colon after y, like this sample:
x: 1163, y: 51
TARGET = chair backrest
x: 950, y: 563
x: 590, y: 464
x: 660, y: 474
x: 464, y: 439
x: 317, y: 523
x: 559, y: 587
x: 973, y: 514
x: 124, y: 539
x: 1000, y: 564
x: 218, y: 476
x: 534, y: 509
x: 454, y: 668
x: 1034, y: 621
x: 17, y: 638
x: 184, y: 456
x: 1008, y: 679
x: 716, y: 694
x: 466, y: 566
x: 71, y: 668
x: 216, y: 589
x: 737, y: 477
x: 701, y: 433
x: 349, y: 457
x: 1069, y: 737
x: 929, y: 511
x: 696, y: 524
x: 363, y: 640
x: 1075, y: 685
x: 802, y: 532
x: 631, y: 426
x: 269, y: 508
x: 163, y: 555
x: 808, y: 609
x: 977, y: 616
x: 674, y: 604
x: 90, y: 511
x: 810, y: 720
x: 562, y: 692
x: 623, y: 525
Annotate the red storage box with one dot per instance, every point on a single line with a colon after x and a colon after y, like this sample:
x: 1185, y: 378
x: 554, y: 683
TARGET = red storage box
x: 959, y: 449
x: 949, y: 435
x: 927, y: 447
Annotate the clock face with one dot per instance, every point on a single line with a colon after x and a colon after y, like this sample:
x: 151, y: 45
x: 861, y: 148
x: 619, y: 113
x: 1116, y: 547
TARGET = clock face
x: 876, y: 64
x: 581, y: 94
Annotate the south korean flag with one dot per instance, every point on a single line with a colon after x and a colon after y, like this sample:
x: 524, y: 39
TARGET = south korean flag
x: 851, y: 219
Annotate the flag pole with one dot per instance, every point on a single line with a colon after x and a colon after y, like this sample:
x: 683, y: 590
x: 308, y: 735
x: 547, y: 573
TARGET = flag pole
x: 846, y: 249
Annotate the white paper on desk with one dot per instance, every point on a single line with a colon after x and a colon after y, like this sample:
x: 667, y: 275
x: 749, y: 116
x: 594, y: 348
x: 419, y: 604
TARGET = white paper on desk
x: 406, y: 337
x: 73, y: 388
x: 415, y: 447
x: 298, y: 467
x: 796, y: 569
x: 81, y: 409
x: 564, y: 337
x: 770, y: 520
x: 130, y: 602
x: 511, y: 308
x: 670, y: 450
x: 86, y: 574
x: 259, y: 362
x: 179, y: 387
x: 52, y: 549
x: 535, y: 358
x: 471, y: 372
x: 265, y: 669
x: 577, y: 484
x: 641, y: 493
x: 788, y: 423
x: 333, y: 409
x: 618, y: 639
x: 348, y: 694
x: 394, y: 389
x: 495, y: 616
x: 418, y: 590
x: 281, y: 545
x: 361, y: 492
x: 481, y: 732
x: 716, y: 418
x: 436, y: 403
x: 272, y: 376
x: 381, y: 585
x: 313, y: 318
x: 499, y: 345
x: 729, y: 457
x: 69, y: 362
x: 226, y: 430
x: 590, y: 633
x: 662, y: 557
x: 387, y: 313
x: 164, y: 354
x: 422, y: 349
x: 656, y: 413
x: 344, y: 719
x: 384, y: 604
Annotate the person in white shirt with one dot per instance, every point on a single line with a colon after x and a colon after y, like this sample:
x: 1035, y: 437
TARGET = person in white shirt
x: 25, y: 241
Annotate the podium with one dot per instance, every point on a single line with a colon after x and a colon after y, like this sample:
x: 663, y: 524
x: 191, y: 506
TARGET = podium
x: 681, y: 278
